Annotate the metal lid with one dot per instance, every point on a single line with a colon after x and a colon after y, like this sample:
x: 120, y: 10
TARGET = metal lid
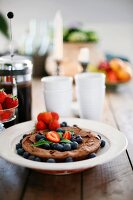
x: 17, y: 65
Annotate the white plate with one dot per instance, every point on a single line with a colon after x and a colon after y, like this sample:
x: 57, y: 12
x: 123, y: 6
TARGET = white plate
x: 116, y: 143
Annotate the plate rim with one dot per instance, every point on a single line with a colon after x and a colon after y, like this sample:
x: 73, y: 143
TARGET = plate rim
x: 84, y: 164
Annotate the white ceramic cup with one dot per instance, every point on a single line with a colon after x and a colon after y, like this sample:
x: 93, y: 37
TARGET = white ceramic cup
x: 90, y: 80
x: 57, y: 82
x: 58, y: 101
x: 57, y: 92
x: 90, y: 90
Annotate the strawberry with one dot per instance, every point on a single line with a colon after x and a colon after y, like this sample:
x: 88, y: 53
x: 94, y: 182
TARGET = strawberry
x: 6, y: 115
x: 40, y: 125
x: 46, y: 117
x: 10, y: 102
x: 53, y: 136
x: 3, y: 95
x: 55, y: 115
x: 53, y: 125
x: 67, y: 135
x: 1, y: 107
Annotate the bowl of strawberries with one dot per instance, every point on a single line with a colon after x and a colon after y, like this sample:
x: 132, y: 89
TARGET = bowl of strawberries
x: 8, y: 104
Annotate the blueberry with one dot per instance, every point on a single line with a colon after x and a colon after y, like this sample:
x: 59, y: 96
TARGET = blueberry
x: 51, y: 160
x: 63, y: 124
x: 67, y: 147
x: 92, y: 155
x: 74, y: 145
x: 19, y: 145
x: 21, y: 140
x: 52, y: 145
x: 39, y: 137
x: 73, y: 138
x: 69, y: 159
x: 20, y: 151
x: 24, y: 136
x: 102, y: 143
x: 79, y: 139
x: 37, y: 159
x: 59, y: 147
x: 45, y: 146
x: 60, y: 130
x: 32, y: 157
x: 26, y: 155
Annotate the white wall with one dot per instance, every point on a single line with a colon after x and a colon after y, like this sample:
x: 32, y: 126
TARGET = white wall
x: 113, y: 19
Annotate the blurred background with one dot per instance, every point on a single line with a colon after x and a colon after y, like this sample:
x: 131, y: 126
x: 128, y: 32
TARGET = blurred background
x: 111, y: 22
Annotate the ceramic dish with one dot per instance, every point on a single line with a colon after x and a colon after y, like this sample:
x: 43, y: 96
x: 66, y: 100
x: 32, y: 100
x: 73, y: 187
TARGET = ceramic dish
x: 116, y: 143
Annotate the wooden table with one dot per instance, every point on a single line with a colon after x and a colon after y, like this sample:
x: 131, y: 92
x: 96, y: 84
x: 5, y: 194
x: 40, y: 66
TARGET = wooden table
x: 112, y: 181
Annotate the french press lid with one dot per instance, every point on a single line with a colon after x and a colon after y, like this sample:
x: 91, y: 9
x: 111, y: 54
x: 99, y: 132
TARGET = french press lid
x: 17, y: 65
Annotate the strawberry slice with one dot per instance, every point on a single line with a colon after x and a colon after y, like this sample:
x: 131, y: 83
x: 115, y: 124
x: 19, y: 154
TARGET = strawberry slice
x: 67, y: 135
x: 53, y: 136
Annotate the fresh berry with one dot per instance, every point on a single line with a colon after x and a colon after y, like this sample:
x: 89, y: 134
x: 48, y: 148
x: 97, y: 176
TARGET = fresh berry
x: 10, y: 102
x: 67, y: 147
x: 73, y: 139
x: 1, y: 107
x: 60, y: 130
x: 52, y: 145
x: 6, y: 115
x: 3, y: 95
x: 31, y: 157
x: 55, y: 115
x: 53, y: 136
x: 102, y: 143
x: 46, y: 117
x: 69, y: 159
x: 18, y: 146
x: 74, y: 145
x: 67, y: 135
x: 58, y: 147
x: 40, y: 125
x: 46, y: 146
x: 79, y: 139
x: 37, y: 159
x: 26, y: 155
x: 39, y: 137
x: 51, y: 160
x: 24, y: 136
x: 53, y: 125
x: 63, y: 124
x: 20, y: 151
x: 92, y: 155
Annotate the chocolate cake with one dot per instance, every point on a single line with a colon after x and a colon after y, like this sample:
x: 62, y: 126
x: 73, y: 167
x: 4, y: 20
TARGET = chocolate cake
x: 90, y: 144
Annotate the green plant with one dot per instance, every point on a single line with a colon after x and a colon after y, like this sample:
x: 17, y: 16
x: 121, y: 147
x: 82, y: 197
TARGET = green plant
x: 4, y: 26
